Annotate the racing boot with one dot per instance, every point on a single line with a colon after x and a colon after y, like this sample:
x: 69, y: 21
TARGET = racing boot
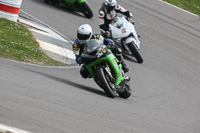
x: 127, y: 78
x: 118, y: 54
x: 124, y: 66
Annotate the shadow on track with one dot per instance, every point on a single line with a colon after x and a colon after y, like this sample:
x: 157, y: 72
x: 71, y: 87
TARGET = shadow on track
x: 83, y: 87
x: 130, y: 58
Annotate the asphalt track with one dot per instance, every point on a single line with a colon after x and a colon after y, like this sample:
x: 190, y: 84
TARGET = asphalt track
x: 166, y: 87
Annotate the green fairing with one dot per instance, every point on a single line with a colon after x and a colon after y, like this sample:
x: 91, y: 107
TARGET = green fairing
x: 70, y: 4
x: 81, y: 1
x: 114, y: 66
x: 80, y: 6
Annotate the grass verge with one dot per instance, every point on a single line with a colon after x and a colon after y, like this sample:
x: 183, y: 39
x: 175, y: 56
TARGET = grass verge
x: 17, y: 42
x: 189, y: 5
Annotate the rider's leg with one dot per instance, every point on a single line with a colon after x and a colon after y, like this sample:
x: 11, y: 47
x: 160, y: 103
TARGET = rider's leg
x: 124, y: 66
x: 118, y: 54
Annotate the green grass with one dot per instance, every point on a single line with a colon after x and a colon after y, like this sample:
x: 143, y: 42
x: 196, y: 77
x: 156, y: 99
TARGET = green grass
x: 5, y: 132
x: 189, y: 5
x: 17, y: 42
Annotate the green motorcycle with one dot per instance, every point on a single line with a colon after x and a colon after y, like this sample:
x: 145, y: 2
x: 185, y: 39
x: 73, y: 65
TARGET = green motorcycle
x: 76, y: 5
x: 105, y: 69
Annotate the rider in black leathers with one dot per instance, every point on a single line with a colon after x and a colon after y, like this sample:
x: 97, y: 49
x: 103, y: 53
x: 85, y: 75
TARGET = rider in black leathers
x: 107, y: 12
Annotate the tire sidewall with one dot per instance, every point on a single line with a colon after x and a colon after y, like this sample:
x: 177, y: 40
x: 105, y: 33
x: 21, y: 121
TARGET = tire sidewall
x: 100, y: 73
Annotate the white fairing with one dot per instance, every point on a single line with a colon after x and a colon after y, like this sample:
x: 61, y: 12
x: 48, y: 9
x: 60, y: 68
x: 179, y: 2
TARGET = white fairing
x: 122, y: 29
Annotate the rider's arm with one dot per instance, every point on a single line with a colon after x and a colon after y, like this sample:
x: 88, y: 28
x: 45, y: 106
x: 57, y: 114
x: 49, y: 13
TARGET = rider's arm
x: 123, y: 11
x: 76, y: 50
x: 102, y: 24
x: 107, y: 41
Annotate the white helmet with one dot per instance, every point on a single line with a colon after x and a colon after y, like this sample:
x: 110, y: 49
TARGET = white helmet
x: 109, y: 5
x: 84, y: 33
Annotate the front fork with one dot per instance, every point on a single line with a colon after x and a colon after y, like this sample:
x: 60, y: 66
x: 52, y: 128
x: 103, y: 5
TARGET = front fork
x: 108, y: 70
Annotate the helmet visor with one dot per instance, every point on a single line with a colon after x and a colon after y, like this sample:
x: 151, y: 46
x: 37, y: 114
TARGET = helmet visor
x: 83, y: 37
x: 109, y: 8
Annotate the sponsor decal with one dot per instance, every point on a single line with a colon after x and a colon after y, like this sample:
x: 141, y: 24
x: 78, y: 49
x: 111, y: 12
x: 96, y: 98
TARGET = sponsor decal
x: 119, y: 74
x: 103, y: 50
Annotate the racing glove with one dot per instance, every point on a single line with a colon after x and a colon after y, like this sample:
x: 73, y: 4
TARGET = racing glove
x: 107, y: 34
x: 130, y: 19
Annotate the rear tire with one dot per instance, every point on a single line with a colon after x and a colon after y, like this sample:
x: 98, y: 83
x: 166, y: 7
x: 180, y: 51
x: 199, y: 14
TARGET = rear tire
x: 103, y: 78
x: 85, y: 9
x: 127, y: 91
x: 46, y: 1
x: 135, y: 52
x: 51, y: 1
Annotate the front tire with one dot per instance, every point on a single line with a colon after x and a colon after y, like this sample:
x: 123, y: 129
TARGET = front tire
x: 106, y: 84
x: 135, y: 52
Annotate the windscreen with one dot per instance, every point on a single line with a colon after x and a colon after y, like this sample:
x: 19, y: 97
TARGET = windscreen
x: 93, y: 45
x: 117, y: 22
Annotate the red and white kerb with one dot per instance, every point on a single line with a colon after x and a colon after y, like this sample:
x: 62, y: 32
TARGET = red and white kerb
x: 10, y: 9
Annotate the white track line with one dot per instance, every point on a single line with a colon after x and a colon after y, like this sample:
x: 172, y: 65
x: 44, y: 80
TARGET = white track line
x: 42, y: 66
x: 56, y: 49
x: 47, y: 26
x: 178, y: 8
x: 12, y: 129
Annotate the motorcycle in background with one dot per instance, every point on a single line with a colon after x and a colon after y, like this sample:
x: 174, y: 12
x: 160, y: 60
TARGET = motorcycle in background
x: 124, y: 35
x: 105, y: 69
x: 76, y: 5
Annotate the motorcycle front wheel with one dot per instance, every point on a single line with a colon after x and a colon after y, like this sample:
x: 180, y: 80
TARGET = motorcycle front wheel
x: 105, y: 82
x: 135, y: 52
x: 85, y: 9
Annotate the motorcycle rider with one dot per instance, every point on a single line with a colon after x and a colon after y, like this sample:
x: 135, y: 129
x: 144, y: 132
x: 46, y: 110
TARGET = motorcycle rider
x: 84, y: 34
x: 107, y: 12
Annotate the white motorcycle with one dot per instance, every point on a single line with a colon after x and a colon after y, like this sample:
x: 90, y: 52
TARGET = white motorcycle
x: 124, y: 35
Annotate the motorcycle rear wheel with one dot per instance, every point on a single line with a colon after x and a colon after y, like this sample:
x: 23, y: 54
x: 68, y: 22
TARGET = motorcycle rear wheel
x: 51, y: 1
x: 105, y: 82
x: 85, y: 9
x: 127, y: 91
x: 135, y: 52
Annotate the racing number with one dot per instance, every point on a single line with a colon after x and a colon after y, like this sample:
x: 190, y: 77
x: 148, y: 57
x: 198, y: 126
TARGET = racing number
x: 124, y: 30
x: 96, y: 36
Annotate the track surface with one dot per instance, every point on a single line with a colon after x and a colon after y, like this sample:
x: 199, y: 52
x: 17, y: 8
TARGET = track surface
x: 166, y: 87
